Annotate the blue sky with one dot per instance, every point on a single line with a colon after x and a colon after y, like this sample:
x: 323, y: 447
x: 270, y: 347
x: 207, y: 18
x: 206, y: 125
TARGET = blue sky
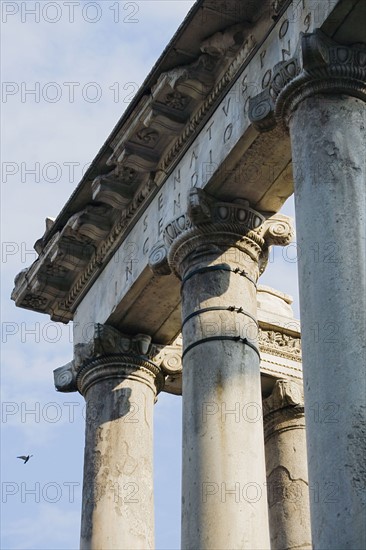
x: 48, y: 138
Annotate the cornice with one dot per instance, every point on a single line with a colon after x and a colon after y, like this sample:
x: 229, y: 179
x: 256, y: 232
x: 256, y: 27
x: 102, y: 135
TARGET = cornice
x: 229, y: 77
x: 179, y: 103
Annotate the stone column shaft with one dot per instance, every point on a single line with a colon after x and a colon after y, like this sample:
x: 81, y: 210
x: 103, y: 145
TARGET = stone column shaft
x: 224, y: 496
x: 120, y: 390
x: 217, y: 250
x: 330, y: 193
x: 320, y: 96
x: 287, y: 470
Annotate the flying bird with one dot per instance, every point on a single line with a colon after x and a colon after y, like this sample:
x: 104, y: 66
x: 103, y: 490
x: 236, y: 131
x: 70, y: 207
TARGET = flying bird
x: 25, y: 458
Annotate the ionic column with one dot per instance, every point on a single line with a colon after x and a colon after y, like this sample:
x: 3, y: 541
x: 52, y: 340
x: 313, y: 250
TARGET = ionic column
x: 287, y: 470
x: 217, y: 250
x: 119, y: 382
x: 320, y: 96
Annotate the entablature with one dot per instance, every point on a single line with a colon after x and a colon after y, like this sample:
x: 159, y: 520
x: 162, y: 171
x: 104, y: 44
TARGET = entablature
x: 188, y: 126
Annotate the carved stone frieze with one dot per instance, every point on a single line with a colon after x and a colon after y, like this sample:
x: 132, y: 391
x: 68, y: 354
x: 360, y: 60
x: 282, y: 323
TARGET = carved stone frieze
x: 34, y: 302
x: 165, y: 114
x: 70, y: 253
x: 93, y: 222
x: 117, y: 187
x: 108, y: 245
x: 60, y: 259
x: 49, y: 287
x: 279, y: 343
x: 139, y: 155
x: 56, y: 276
x: 319, y: 66
x: 146, y: 137
x: 176, y: 101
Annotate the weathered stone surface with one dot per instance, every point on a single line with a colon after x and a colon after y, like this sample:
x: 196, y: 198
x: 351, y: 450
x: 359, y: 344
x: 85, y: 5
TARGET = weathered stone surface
x: 286, y: 464
x: 120, y: 383
x: 218, y: 249
x: 222, y: 451
x: 118, y: 501
x: 320, y: 94
x: 106, y: 340
x: 328, y: 137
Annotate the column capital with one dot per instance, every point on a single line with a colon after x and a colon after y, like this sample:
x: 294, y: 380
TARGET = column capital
x: 286, y: 393
x: 320, y: 66
x: 65, y: 378
x: 283, y: 410
x: 109, y: 353
x: 214, y: 224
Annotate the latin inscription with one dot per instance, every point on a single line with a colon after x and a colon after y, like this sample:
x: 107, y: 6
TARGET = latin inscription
x: 202, y: 165
x: 205, y: 156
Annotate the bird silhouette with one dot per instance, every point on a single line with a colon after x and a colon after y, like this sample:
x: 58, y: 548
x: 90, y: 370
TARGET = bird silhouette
x: 25, y: 458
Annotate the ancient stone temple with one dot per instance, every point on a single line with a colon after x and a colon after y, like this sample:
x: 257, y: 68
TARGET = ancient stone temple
x: 156, y: 259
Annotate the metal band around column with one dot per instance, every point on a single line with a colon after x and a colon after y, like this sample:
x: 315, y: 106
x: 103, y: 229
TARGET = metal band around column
x: 220, y: 308
x: 218, y: 267
x: 217, y: 338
